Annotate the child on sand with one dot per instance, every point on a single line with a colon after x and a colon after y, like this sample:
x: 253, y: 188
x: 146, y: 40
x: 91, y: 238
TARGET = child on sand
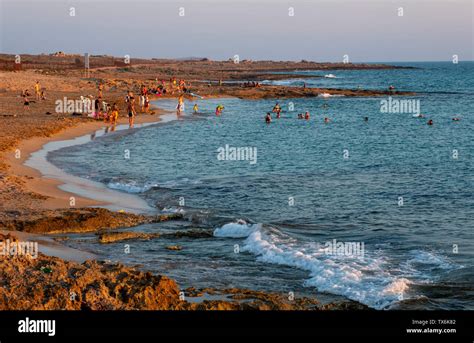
x: 26, y: 103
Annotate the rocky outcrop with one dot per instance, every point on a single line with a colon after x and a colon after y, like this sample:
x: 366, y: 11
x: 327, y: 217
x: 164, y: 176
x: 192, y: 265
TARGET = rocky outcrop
x: 112, y: 237
x: 81, y: 220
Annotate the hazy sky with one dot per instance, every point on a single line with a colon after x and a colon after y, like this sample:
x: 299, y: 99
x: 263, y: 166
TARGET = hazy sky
x: 258, y: 29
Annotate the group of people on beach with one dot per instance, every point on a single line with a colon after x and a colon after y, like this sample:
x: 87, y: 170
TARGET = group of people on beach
x: 110, y: 113
x: 251, y: 84
x: 40, y: 94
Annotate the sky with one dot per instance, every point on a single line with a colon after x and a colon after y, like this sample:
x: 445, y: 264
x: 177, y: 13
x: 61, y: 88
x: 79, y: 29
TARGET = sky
x: 365, y: 30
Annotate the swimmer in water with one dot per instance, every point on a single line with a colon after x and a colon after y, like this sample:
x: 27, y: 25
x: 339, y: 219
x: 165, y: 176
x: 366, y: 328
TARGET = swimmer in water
x: 430, y: 122
x: 326, y: 120
x: 195, y: 108
x: 366, y: 118
x: 456, y: 119
x: 219, y: 109
x: 277, y: 110
x: 300, y: 115
x: 306, y: 115
x: 268, y: 118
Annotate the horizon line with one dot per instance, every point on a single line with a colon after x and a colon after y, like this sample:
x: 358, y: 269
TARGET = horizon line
x: 226, y: 60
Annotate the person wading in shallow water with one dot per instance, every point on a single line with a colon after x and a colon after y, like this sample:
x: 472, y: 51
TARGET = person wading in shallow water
x: 180, y: 107
x: 268, y: 118
x: 277, y: 110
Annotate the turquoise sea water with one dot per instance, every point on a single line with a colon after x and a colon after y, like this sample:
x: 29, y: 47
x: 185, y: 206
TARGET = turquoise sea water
x: 401, y: 188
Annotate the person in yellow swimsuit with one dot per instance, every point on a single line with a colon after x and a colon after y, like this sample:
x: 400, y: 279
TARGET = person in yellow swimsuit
x: 114, y: 114
x: 38, y: 90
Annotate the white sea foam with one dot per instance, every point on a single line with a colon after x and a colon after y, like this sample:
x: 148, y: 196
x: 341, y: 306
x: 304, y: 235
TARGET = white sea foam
x: 239, y: 229
x: 370, y: 279
x: 430, y: 259
x: 172, y: 209
x: 328, y: 95
x: 291, y: 82
x: 130, y: 186
x: 360, y: 279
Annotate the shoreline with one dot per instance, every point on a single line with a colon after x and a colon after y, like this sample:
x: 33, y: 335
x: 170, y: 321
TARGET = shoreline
x: 58, y: 186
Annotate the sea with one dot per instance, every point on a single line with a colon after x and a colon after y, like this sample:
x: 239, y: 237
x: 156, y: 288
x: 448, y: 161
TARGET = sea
x: 374, y: 205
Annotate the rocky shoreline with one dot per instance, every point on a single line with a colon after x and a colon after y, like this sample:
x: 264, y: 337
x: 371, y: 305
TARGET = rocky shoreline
x: 51, y: 283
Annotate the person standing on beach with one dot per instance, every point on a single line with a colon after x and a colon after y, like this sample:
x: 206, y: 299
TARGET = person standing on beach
x: 114, y: 114
x: 131, y: 109
x: 38, y: 90
x: 147, y: 104
x: 143, y: 95
x: 100, y: 88
x: 97, y: 109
